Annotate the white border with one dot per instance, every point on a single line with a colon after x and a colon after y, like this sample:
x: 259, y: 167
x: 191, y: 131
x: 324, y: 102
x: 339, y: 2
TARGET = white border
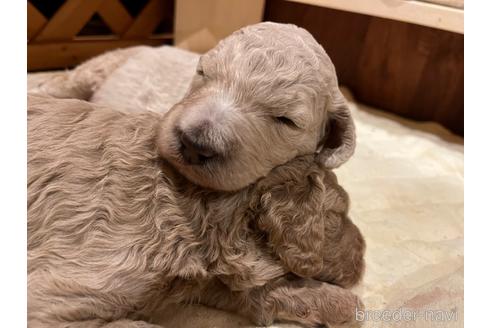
x: 478, y: 163
x: 13, y: 31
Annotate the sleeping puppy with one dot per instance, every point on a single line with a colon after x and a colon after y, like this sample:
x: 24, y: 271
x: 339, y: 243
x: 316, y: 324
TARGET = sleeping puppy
x: 127, y: 211
x: 115, y: 231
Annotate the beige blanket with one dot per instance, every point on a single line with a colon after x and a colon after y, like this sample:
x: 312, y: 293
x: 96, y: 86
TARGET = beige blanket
x: 406, y: 186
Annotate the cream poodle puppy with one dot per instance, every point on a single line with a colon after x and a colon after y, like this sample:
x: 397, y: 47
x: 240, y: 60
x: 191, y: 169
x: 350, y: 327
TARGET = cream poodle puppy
x: 217, y: 201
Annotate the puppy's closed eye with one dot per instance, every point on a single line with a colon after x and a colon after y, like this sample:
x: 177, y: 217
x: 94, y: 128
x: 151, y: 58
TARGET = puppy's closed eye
x: 286, y: 121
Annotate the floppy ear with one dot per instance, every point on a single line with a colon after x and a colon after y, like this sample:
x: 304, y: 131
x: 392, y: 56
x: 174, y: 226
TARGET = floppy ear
x: 287, y: 207
x: 338, y: 144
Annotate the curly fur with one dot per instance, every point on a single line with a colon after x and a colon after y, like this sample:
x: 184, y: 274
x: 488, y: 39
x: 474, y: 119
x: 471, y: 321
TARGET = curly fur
x: 304, y: 211
x: 116, y: 228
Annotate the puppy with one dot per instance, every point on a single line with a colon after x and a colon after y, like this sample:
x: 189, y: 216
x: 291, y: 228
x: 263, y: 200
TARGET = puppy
x: 114, y: 230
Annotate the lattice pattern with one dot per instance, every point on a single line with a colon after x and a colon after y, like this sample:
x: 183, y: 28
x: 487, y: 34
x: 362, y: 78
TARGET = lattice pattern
x: 55, y: 42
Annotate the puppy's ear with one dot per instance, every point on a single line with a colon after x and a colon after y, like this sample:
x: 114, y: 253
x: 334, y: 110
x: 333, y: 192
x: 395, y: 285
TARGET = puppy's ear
x: 287, y: 207
x: 338, y: 144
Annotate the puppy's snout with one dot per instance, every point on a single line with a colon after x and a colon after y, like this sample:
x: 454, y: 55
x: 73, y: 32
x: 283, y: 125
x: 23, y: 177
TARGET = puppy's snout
x: 193, y: 151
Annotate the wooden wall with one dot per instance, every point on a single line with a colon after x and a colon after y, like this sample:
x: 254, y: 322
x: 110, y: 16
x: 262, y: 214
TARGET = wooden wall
x: 201, y: 24
x: 411, y: 70
x: 63, y: 33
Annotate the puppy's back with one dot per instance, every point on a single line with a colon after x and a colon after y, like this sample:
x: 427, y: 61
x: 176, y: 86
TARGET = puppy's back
x: 81, y: 159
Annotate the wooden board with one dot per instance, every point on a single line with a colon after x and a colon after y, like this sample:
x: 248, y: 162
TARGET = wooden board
x: 35, y: 22
x: 147, y: 20
x: 55, y: 43
x: 416, y: 12
x: 115, y: 15
x: 200, y: 25
x: 69, y: 54
x: 68, y: 20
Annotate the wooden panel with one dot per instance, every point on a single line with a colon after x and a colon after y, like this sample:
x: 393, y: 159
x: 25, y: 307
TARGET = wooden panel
x: 56, y: 43
x: 115, y: 15
x: 69, y: 54
x: 416, y: 12
x: 35, y: 22
x: 147, y: 20
x: 68, y: 20
x: 200, y: 25
x: 413, y: 71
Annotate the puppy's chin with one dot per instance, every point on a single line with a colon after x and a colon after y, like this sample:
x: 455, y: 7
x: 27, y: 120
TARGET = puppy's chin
x: 205, y: 175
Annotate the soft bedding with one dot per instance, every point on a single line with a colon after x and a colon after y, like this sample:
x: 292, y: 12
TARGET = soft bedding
x: 406, y: 187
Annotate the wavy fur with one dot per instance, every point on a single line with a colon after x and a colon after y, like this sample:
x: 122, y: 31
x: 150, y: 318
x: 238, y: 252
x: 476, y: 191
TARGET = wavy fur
x: 116, y: 231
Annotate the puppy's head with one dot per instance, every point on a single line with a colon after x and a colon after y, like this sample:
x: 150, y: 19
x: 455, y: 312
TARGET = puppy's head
x: 261, y: 97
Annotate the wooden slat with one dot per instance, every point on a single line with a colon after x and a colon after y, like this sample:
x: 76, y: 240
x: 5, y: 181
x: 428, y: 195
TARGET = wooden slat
x: 115, y: 16
x: 161, y: 36
x: 147, y: 20
x: 199, y: 25
x: 69, y: 54
x: 68, y: 20
x: 416, y: 12
x: 35, y: 21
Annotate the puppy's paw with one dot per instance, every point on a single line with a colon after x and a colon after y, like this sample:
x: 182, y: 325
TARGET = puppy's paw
x: 303, y: 264
x: 338, y: 307
x: 317, y: 303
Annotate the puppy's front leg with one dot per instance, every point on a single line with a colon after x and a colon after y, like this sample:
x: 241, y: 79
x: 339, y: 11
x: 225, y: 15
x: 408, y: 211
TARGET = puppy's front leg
x: 99, y: 323
x: 306, y: 301
x: 85, y: 79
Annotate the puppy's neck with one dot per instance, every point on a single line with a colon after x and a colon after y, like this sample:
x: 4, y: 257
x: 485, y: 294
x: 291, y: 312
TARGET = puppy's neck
x: 203, y: 204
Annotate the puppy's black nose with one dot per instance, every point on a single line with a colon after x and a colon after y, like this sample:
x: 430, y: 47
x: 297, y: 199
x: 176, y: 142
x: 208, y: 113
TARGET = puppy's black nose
x: 193, y: 152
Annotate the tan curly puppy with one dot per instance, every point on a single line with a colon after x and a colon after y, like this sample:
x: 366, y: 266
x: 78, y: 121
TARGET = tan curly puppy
x: 129, y: 211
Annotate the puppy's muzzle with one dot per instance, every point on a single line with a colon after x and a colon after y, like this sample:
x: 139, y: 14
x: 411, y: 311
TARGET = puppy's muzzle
x: 193, y: 151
